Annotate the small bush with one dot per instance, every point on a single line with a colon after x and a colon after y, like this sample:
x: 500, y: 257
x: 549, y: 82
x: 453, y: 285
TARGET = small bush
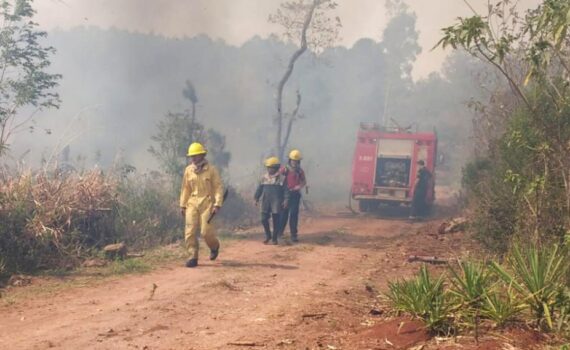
x: 424, y: 298
x: 531, y: 285
x: 147, y: 212
x: 470, y: 286
x: 538, y: 274
x: 501, y: 306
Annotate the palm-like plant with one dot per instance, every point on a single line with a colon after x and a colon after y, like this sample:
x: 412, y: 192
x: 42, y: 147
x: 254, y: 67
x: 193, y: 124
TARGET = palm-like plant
x: 538, y: 275
x: 423, y: 297
x: 470, y: 285
x: 501, y: 307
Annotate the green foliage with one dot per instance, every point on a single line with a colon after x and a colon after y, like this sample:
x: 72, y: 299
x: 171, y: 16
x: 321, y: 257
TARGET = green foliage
x: 147, y: 213
x: 173, y: 136
x: 424, y: 298
x: 531, y: 285
x: 176, y: 132
x: 477, y: 296
x: 538, y: 275
x: 470, y: 284
x: 501, y: 306
x: 525, y: 190
x: 25, y: 81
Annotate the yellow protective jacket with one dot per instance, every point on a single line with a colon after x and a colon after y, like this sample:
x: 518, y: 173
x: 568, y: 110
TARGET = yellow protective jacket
x: 202, y: 189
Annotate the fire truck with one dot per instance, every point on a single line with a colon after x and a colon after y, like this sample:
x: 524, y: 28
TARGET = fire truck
x: 385, y: 165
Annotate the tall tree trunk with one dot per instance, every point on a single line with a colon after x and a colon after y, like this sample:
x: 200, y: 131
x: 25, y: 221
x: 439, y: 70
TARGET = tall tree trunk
x: 290, y: 125
x: 279, y: 147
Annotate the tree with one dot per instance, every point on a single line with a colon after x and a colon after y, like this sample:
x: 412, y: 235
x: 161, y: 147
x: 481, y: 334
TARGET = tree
x: 177, y: 131
x: 400, y: 41
x: 189, y: 93
x: 24, y: 80
x: 529, y: 156
x: 400, y: 48
x: 307, y: 23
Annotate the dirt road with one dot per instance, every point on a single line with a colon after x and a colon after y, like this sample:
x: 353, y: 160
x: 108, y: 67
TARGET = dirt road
x: 314, y: 295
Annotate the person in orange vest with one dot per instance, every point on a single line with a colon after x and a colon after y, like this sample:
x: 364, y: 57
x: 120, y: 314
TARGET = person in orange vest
x: 295, y: 178
x: 274, y: 196
x: 201, y: 196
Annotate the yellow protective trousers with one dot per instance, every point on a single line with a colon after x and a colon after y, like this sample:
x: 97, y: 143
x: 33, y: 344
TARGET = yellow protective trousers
x: 197, y: 221
x: 201, y: 191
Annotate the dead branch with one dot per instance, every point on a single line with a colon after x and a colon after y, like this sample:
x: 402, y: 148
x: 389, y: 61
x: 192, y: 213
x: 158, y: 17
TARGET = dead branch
x: 315, y: 315
x: 246, y: 343
x: 427, y: 259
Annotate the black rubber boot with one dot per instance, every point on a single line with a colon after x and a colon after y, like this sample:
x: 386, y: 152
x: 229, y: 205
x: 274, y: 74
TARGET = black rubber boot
x: 192, y: 263
x: 214, y: 253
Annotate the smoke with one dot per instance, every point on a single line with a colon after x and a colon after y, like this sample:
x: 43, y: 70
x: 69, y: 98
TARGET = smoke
x: 237, y: 21
x: 117, y: 84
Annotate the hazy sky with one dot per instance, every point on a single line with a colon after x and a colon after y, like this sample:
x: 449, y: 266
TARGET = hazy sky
x: 235, y: 21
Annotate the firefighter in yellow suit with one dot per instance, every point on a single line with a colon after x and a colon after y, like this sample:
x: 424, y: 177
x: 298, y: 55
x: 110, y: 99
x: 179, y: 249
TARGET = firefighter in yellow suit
x: 201, y: 195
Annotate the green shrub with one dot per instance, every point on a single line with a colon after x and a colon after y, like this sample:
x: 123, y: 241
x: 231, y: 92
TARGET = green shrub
x: 147, y: 212
x: 424, y: 298
x: 469, y: 288
x: 520, y: 188
x: 501, y: 306
x: 470, y: 284
x: 538, y: 275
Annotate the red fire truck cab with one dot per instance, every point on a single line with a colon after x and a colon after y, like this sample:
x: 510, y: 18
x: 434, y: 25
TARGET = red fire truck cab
x: 384, y: 167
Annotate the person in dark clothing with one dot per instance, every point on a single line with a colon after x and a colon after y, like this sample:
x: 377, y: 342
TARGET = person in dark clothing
x: 295, y: 178
x: 419, y: 205
x: 274, y: 196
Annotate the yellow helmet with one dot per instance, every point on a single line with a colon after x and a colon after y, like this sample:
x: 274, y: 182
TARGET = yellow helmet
x: 196, y: 149
x: 272, y: 162
x: 295, y: 155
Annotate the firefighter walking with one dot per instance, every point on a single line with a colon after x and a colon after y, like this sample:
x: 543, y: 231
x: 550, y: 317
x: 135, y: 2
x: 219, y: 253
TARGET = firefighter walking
x: 200, y: 197
x: 274, y: 196
x: 296, y: 181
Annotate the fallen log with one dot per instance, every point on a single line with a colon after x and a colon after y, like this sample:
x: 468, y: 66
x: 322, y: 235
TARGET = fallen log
x: 315, y: 315
x: 115, y: 251
x: 245, y: 343
x: 452, y: 226
x: 427, y: 259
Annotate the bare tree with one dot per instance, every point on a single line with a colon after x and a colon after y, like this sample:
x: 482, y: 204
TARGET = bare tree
x: 306, y: 22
